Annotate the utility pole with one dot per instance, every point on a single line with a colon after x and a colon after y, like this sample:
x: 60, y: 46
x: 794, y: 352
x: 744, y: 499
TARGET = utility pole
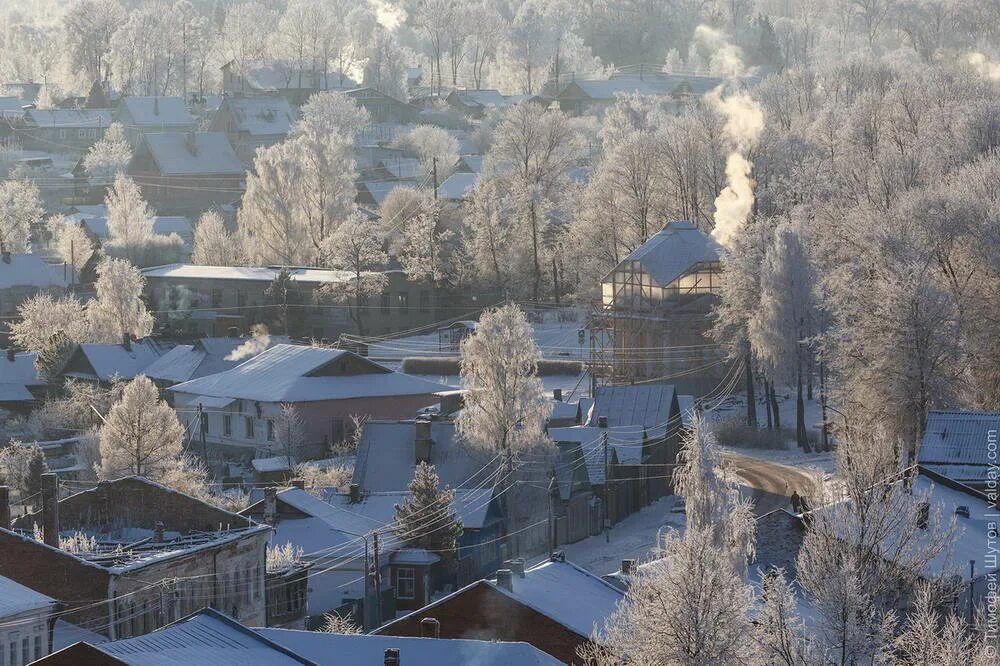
x: 377, y: 580
x: 552, y: 522
x: 434, y: 168
x: 366, y: 605
x: 607, y: 491
x: 972, y: 580
x: 202, y: 423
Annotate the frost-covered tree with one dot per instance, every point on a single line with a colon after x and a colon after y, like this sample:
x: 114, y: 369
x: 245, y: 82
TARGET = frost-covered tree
x: 89, y: 26
x: 289, y: 432
x: 779, y: 632
x: 118, y: 310
x: 863, y: 554
x: 784, y: 319
x: 486, y: 27
x: 425, y: 519
x: 213, y: 244
x: 20, y: 207
x: 246, y: 31
x: 108, y: 157
x: 70, y: 241
x: 532, y: 152
x: 130, y: 219
x: 356, y: 247
x: 140, y: 435
x: 21, y: 468
x: 489, y: 241
x: 387, y: 64
x: 434, y: 147
x: 331, y: 112
x: 43, y: 315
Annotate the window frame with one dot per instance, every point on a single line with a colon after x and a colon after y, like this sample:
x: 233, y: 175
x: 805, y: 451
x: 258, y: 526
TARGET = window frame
x: 411, y: 579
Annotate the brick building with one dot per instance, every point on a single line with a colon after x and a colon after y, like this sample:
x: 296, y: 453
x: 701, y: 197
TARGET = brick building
x: 154, y: 554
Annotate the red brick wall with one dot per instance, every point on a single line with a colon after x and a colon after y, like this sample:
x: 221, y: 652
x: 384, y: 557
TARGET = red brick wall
x: 482, y: 613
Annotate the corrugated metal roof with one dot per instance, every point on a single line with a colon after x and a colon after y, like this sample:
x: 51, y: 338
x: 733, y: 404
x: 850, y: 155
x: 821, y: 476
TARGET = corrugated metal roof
x: 16, y: 598
x: 636, y: 406
x: 955, y: 443
x: 213, y: 155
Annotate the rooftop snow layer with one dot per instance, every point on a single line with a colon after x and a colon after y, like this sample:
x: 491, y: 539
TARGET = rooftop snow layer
x: 153, y: 112
x: 674, y: 251
x: 16, y: 598
x: 212, y: 154
x: 30, y: 270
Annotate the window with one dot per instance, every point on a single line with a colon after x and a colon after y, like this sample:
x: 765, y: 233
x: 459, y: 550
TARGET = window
x: 216, y: 298
x: 38, y: 647
x: 270, y: 430
x: 385, y: 303
x: 92, y: 134
x: 337, y: 430
x: 62, y: 135
x: 81, y: 134
x: 425, y: 301
x: 204, y: 422
x: 403, y: 301
x: 13, y: 653
x: 249, y: 427
x: 405, y: 583
x: 26, y: 650
x: 227, y: 425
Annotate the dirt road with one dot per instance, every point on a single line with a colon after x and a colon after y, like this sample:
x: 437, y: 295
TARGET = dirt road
x: 772, y: 483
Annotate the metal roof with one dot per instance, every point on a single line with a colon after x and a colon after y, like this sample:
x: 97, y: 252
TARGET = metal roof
x: 641, y: 406
x: 955, y: 444
x: 672, y: 252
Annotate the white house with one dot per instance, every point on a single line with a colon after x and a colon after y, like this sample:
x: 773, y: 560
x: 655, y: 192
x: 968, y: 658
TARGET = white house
x: 26, y: 618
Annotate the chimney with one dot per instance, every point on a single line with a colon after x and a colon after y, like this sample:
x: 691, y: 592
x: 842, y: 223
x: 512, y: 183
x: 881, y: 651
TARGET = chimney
x: 50, y: 509
x: 516, y: 566
x: 299, y: 483
x: 5, y: 507
x: 451, y: 402
x: 422, y: 442
x: 355, y: 493
x: 430, y: 628
x: 391, y: 657
x: 270, y: 505
x: 10, y: 354
x: 602, y: 421
x: 127, y: 341
x: 158, y: 531
x: 191, y: 143
x: 505, y: 579
x: 557, y: 394
x: 628, y: 567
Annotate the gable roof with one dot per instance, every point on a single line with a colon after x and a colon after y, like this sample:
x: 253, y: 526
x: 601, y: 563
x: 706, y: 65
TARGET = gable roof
x: 294, y: 373
x: 369, y: 650
x: 30, y: 270
x: 249, y: 273
x: 153, y: 112
x: 955, y: 444
x: 402, y: 167
x: 206, y: 356
x: 16, y: 598
x: 559, y: 590
x: 672, y: 252
x: 275, y: 75
x: 635, y: 407
x: 69, y: 118
x: 107, y: 361
x: 377, y: 191
x: 625, y: 445
x: 457, y: 186
x: 207, y: 638
x: 18, y: 376
x: 386, y: 457
x: 213, y: 155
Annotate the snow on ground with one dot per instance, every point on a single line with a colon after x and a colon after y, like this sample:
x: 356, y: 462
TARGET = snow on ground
x: 734, y: 407
x: 635, y: 537
x: 818, y: 465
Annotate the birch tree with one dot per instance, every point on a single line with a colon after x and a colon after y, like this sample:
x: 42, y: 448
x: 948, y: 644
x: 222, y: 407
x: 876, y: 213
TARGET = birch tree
x: 20, y: 207
x: 118, y: 309
x: 436, y: 150
x: 140, y: 435
x: 109, y: 157
x: 357, y: 248
x: 130, y: 219
x: 213, y: 244
x: 332, y: 113
x: 72, y: 243
x: 43, y: 315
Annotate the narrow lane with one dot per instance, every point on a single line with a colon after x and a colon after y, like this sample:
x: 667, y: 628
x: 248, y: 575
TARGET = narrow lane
x: 772, y: 483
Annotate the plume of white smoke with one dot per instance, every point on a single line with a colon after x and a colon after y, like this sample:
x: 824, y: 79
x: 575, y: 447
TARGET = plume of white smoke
x: 983, y: 65
x: 388, y: 15
x: 258, y: 342
x: 744, y: 124
x: 725, y: 58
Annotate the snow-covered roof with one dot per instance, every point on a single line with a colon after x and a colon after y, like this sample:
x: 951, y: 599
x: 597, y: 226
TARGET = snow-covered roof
x: 206, y: 639
x: 69, y: 118
x: 212, y: 154
x: 369, y: 650
x: 250, y: 273
x: 379, y: 190
x: 570, y: 595
x: 276, y: 75
x: 956, y: 444
x: 206, y: 356
x: 261, y: 116
x: 295, y: 373
x: 16, y: 598
x: 415, y: 556
x: 674, y: 251
x: 386, y: 457
x: 626, y: 443
x: 562, y: 411
x: 273, y: 464
x: 635, y: 407
x: 30, y: 270
x: 473, y: 163
x: 108, y: 360
x: 457, y: 186
x: 686, y: 404
x: 609, y: 88
x: 21, y: 370
x: 152, y: 112
x: 402, y: 167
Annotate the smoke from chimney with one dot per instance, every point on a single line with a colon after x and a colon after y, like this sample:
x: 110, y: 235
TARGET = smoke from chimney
x: 255, y: 345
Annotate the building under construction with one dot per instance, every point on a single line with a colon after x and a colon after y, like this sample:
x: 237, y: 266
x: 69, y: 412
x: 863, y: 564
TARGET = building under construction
x: 653, y: 319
